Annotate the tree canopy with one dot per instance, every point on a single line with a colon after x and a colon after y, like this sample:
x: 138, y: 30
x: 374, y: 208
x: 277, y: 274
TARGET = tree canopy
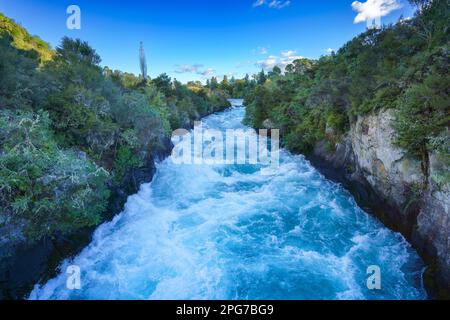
x: 70, y: 130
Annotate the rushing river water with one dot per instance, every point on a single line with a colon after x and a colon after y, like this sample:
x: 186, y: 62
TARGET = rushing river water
x: 229, y: 232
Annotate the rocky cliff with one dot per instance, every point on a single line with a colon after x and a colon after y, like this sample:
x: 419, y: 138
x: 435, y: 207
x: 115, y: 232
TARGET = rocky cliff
x: 396, y: 187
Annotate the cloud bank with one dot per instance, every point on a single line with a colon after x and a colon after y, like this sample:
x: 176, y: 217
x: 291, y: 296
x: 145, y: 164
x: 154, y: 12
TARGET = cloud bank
x: 286, y: 57
x: 194, y: 68
x: 372, y: 9
x: 273, y: 4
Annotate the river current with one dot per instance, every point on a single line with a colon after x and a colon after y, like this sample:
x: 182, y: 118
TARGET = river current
x: 230, y: 232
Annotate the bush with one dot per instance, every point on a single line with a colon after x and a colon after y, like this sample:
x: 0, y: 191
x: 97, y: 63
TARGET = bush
x: 47, y: 189
x: 125, y: 160
x: 423, y: 114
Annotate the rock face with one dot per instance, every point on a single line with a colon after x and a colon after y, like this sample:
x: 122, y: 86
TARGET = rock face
x: 386, y: 167
x: 386, y: 181
x: 433, y: 222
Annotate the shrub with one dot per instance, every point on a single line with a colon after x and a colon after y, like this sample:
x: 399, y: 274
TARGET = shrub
x: 47, y: 189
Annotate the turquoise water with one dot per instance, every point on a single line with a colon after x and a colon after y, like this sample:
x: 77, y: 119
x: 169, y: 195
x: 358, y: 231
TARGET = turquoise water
x: 229, y: 232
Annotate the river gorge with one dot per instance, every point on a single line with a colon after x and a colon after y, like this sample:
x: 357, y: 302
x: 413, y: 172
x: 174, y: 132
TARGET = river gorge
x: 231, y: 232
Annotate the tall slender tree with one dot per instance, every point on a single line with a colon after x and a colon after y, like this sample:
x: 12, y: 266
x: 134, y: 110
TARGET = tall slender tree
x: 143, y: 61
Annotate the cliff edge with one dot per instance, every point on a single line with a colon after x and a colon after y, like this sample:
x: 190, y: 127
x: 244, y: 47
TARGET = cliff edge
x: 395, y: 187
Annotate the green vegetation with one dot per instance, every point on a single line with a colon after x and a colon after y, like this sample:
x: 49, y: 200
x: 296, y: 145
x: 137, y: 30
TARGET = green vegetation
x: 23, y: 40
x: 236, y: 88
x: 402, y: 66
x: 46, y: 189
x: 71, y: 130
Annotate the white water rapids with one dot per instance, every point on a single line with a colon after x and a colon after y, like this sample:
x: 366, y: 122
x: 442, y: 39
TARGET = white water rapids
x: 228, y: 232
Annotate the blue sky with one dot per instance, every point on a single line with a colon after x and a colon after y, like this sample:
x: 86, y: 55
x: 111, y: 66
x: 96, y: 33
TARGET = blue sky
x: 192, y: 38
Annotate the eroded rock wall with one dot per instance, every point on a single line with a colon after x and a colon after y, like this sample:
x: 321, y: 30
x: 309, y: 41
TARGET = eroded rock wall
x: 380, y: 174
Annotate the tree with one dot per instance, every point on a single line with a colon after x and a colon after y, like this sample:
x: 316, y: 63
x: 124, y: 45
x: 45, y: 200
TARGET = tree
x: 276, y: 70
x: 214, y: 83
x: 302, y: 67
x: 423, y: 115
x: 420, y: 4
x: 261, y: 78
x: 164, y: 83
x: 18, y: 86
x: 225, y: 84
x: 247, y: 79
x: 71, y: 50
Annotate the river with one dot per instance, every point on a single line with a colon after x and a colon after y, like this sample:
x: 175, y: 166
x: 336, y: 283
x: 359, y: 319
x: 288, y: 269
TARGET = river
x: 230, y: 232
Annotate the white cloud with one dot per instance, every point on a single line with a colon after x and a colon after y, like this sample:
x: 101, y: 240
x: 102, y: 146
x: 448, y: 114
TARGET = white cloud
x: 207, y: 73
x: 260, y: 50
x: 194, y: 68
x: 287, y: 57
x: 405, y: 19
x: 330, y: 50
x: 274, y: 4
x: 288, y: 60
x: 288, y: 53
x: 268, y: 63
x: 188, y: 68
x: 373, y: 9
x: 259, y: 3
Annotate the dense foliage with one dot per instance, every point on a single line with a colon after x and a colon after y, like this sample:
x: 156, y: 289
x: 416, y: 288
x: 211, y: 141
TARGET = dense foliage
x: 24, y: 41
x: 46, y: 189
x: 402, y: 66
x: 70, y: 130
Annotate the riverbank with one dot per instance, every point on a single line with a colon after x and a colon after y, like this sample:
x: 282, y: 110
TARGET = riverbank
x: 31, y: 264
x: 342, y: 166
x: 395, y: 206
x: 374, y: 116
x: 75, y: 144
x: 47, y: 256
x: 229, y: 232
x: 28, y: 264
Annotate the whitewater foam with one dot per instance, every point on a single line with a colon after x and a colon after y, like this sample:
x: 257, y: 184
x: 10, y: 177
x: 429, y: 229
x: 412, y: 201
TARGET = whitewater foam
x: 229, y: 232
